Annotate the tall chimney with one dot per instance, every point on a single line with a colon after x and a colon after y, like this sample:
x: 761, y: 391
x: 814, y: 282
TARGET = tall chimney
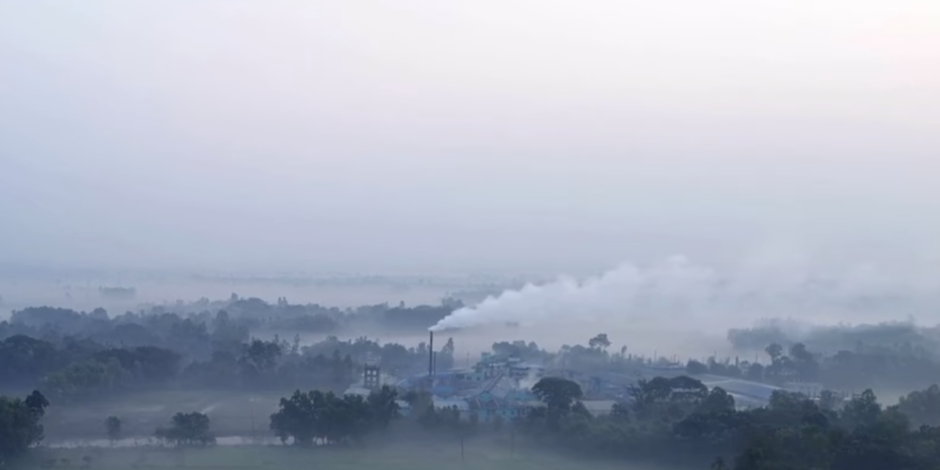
x: 431, y: 356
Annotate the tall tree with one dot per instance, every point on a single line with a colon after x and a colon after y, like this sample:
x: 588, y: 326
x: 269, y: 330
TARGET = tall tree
x: 112, y: 426
x: 557, y: 393
x: 599, y: 342
x: 20, y: 426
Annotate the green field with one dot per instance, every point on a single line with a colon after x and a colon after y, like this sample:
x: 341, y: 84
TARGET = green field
x: 411, y: 457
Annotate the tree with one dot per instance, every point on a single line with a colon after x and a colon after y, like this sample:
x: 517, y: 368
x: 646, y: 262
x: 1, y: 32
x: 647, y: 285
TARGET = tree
x: 445, y: 358
x: 260, y: 357
x: 694, y: 367
x: 620, y: 413
x: 113, y: 426
x: 297, y: 418
x: 85, y: 378
x: 804, y: 362
x: 383, y: 406
x: 775, y: 351
x: 314, y: 415
x: 557, y: 393
x: 20, y: 426
x: 599, y: 342
x: 448, y: 347
x: 190, y: 429
x: 923, y: 407
x: 862, y: 410
x: 680, y: 389
x: 828, y: 401
x: 717, y: 401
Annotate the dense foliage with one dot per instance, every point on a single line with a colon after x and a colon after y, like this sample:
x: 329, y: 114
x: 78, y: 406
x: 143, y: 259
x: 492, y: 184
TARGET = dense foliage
x: 326, y: 418
x: 891, y: 355
x: 187, y: 429
x: 680, y: 421
x: 74, y: 356
x: 20, y: 426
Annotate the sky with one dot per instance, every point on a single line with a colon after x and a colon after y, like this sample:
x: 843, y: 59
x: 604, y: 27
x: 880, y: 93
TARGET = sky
x: 421, y: 135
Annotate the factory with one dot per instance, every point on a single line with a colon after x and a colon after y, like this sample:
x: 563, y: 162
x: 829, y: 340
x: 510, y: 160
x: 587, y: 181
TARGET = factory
x: 498, y: 387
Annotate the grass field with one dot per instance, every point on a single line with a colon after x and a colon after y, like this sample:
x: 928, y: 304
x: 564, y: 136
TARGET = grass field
x: 231, y: 413
x: 412, y: 457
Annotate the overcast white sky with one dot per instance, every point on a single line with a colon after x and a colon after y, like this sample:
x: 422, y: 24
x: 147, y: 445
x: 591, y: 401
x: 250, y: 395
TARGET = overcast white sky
x: 503, y: 134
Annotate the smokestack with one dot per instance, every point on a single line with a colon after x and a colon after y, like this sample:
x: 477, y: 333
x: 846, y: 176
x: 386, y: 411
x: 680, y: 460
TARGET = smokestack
x: 431, y: 356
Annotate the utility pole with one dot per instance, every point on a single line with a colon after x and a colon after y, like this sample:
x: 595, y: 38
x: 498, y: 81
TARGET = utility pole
x: 512, y: 441
x: 461, y: 448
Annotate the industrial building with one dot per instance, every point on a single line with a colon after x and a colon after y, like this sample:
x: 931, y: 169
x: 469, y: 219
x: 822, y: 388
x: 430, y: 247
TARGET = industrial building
x: 497, y: 387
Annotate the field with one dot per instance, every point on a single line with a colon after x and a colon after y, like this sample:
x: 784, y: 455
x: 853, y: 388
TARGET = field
x: 231, y: 413
x: 412, y: 457
x: 75, y: 440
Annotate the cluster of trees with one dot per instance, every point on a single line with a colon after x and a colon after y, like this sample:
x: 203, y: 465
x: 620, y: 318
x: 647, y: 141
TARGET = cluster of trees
x: 680, y: 420
x: 74, y: 356
x: 197, y: 328
x: 865, y: 367
x: 324, y: 418
x: 897, y: 355
x: 797, y: 364
x: 595, y: 356
x: 193, y: 336
x: 20, y: 424
x: 271, y: 365
x: 904, y: 336
x: 674, y: 420
x: 186, y: 429
x: 77, y: 370
x: 668, y: 420
x: 251, y: 313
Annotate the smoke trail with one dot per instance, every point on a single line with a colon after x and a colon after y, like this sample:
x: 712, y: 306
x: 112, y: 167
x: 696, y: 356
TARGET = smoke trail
x: 679, y: 292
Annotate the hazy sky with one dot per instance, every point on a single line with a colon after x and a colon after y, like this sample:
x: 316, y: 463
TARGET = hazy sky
x: 505, y: 134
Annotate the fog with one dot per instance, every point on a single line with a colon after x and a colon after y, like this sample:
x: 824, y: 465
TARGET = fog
x: 643, y: 234
x: 422, y: 137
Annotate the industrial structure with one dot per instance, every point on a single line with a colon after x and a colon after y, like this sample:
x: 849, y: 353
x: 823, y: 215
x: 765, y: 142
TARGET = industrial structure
x: 499, y: 387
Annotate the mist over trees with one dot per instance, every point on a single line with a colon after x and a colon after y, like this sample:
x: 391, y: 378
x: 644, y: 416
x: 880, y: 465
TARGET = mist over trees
x: 187, y: 429
x: 899, y: 356
x: 77, y: 358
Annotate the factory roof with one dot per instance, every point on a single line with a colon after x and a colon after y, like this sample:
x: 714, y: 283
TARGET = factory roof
x: 357, y: 390
x: 744, y: 388
x: 460, y: 403
x: 599, y: 407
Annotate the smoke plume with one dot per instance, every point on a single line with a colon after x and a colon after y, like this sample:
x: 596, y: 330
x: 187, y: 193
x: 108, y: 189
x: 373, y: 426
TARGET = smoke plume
x: 679, y: 293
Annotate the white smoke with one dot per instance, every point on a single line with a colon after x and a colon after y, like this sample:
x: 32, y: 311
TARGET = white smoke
x: 681, y: 293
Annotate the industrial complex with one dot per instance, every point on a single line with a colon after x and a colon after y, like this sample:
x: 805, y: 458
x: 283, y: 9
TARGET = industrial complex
x: 499, y: 387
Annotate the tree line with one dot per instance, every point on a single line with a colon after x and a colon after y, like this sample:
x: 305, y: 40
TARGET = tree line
x: 900, y: 355
x: 74, y: 370
x: 679, y: 420
x: 675, y: 420
x: 152, y: 323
